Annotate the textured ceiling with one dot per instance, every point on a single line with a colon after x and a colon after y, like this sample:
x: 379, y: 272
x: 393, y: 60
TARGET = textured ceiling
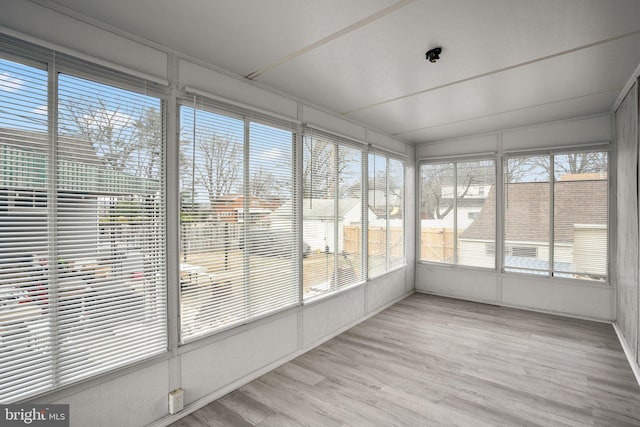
x: 505, y: 63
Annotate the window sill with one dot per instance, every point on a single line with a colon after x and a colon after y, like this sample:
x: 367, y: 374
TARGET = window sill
x: 457, y: 266
x: 560, y: 280
x: 393, y: 270
x: 324, y: 297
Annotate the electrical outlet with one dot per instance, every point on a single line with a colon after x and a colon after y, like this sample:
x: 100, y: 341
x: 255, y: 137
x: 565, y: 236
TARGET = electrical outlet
x: 176, y: 400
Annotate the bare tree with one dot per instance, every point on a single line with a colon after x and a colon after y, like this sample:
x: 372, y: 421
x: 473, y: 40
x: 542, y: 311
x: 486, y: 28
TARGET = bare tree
x: 149, y: 136
x: 440, y: 186
x: 435, y: 200
x: 581, y: 163
x: 539, y: 168
x: 111, y: 131
x: 327, y: 169
x: 266, y: 185
x: 219, y: 165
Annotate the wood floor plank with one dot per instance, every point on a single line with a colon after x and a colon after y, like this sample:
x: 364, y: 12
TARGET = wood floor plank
x: 438, y: 361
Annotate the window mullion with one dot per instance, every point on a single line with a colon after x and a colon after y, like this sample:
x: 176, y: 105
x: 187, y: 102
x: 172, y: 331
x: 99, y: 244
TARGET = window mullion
x: 455, y: 213
x: 551, y: 213
x: 386, y: 213
x: 364, y: 223
x: 298, y: 195
x: 52, y: 220
x: 245, y: 221
x: 336, y: 218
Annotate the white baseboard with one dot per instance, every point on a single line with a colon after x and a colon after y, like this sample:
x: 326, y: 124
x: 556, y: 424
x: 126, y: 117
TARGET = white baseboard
x: 627, y: 351
x: 516, y: 306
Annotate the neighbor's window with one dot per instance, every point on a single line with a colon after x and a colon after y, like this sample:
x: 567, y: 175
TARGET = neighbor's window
x: 572, y: 242
x: 385, y: 214
x: 458, y: 213
x: 239, y: 247
x: 81, y: 230
x: 333, y: 214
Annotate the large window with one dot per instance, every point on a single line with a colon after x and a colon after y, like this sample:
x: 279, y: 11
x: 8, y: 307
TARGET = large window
x: 458, y: 213
x: 239, y: 246
x: 556, y: 214
x: 333, y: 214
x: 83, y: 248
x: 386, y: 214
x: 82, y: 254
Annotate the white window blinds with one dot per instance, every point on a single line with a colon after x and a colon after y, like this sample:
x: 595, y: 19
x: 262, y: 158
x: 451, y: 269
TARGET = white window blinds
x: 81, y: 230
x: 333, y: 213
x: 386, y: 213
x: 556, y: 215
x: 25, y: 315
x: 239, y: 240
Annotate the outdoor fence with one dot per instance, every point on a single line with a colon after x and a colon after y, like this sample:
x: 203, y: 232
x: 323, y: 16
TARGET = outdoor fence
x: 377, y: 240
x: 436, y: 244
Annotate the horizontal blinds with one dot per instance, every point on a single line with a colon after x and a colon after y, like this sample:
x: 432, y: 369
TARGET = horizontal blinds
x: 109, y: 236
x: 395, y: 213
x: 333, y: 213
x: 82, y: 231
x: 221, y: 107
x: 26, y: 365
x: 22, y: 51
x: 378, y: 232
x: 239, y: 250
x: 386, y: 213
x: 271, y: 221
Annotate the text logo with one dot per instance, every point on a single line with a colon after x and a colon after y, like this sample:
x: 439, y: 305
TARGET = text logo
x: 34, y: 415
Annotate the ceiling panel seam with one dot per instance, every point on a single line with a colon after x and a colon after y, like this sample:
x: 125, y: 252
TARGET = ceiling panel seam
x: 346, y: 30
x: 497, y: 71
x: 616, y: 90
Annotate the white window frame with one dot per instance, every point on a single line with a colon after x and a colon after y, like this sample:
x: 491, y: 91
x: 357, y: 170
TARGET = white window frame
x: 199, y: 100
x: 387, y: 156
x: 56, y: 63
x: 552, y: 152
x: 455, y: 160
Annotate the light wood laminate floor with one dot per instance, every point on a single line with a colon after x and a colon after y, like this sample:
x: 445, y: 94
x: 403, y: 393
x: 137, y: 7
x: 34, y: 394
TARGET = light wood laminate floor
x: 438, y: 361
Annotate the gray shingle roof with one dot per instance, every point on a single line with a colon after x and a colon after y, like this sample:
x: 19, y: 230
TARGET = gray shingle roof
x: 527, y: 210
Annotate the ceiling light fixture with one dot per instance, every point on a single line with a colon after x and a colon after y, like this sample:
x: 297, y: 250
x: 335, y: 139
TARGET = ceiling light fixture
x: 434, y: 54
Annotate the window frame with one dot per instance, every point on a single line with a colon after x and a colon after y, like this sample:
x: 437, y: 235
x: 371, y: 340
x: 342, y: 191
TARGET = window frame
x: 338, y: 141
x: 208, y: 104
x: 54, y: 64
x: 605, y: 147
x: 454, y: 160
x: 388, y: 156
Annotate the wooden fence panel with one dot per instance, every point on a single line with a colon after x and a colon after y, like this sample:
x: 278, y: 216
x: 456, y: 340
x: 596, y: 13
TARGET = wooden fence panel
x: 436, y: 244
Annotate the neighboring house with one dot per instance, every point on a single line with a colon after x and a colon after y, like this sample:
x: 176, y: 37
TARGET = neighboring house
x: 577, y: 227
x: 88, y: 195
x: 319, y: 224
x: 24, y: 184
x: 468, y: 207
x: 378, y: 203
x: 230, y: 208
